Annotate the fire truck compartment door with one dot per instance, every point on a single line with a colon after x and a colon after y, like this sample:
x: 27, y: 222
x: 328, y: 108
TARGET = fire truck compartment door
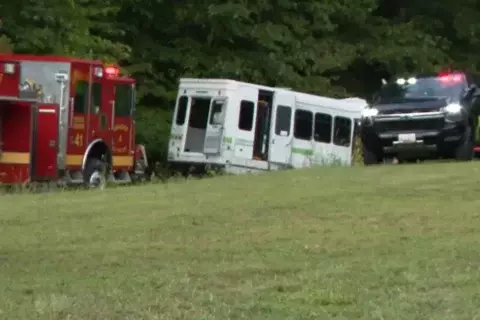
x: 45, y: 142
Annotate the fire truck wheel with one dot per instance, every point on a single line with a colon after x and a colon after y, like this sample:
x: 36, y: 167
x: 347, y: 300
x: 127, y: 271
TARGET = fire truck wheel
x: 95, y: 173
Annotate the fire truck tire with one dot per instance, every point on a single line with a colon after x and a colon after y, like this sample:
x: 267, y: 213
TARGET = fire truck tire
x: 95, y: 175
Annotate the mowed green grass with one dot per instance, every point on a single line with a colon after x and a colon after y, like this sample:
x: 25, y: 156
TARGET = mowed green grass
x: 386, y: 242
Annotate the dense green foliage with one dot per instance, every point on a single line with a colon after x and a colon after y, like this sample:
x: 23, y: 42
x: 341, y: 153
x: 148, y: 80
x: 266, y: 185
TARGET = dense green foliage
x: 333, y: 48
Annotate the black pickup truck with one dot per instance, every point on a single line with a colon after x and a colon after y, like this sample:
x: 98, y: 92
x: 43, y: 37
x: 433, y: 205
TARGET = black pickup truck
x: 423, y: 116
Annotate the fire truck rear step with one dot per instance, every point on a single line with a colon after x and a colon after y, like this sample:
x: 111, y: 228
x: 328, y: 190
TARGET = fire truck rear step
x: 120, y: 177
x: 74, y: 177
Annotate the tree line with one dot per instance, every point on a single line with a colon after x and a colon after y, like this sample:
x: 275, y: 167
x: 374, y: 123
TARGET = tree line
x: 329, y: 47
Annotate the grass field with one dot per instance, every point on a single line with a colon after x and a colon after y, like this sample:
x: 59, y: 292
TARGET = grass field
x: 387, y: 242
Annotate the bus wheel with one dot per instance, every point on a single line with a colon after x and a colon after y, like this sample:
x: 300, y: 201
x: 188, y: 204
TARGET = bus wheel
x: 95, y: 176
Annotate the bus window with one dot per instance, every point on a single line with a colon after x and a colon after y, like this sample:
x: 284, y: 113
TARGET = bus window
x: 181, y: 110
x: 323, y: 128
x: 245, y: 118
x: 342, y: 129
x: 303, y: 127
x: 282, y: 121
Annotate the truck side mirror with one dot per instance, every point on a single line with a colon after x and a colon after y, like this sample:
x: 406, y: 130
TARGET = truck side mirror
x: 471, y: 92
x: 474, y: 90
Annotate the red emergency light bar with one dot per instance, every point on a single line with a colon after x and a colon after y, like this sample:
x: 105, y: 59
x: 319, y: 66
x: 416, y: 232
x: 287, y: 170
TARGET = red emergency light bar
x: 107, y: 71
x: 450, y: 77
x: 112, y: 71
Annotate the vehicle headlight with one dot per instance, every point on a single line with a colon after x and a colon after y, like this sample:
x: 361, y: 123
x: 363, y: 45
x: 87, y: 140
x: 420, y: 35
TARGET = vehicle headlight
x: 369, y: 112
x: 453, y: 108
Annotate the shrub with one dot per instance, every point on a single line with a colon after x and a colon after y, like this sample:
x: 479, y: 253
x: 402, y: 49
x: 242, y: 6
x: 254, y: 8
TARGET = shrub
x: 357, y: 152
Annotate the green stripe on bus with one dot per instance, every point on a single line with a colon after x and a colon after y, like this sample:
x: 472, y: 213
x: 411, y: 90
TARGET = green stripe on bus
x: 302, y: 151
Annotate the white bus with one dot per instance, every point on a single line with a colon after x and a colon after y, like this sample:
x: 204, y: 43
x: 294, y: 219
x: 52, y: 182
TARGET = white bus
x: 241, y: 127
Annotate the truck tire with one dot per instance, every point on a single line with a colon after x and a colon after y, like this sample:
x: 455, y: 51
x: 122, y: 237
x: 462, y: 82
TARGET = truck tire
x: 95, y: 175
x: 370, y: 157
x: 464, y: 151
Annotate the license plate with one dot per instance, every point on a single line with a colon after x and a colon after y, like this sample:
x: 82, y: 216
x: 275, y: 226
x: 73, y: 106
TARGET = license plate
x: 407, y: 138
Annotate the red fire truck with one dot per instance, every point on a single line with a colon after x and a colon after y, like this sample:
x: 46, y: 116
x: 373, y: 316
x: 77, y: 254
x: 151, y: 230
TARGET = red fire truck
x: 67, y: 120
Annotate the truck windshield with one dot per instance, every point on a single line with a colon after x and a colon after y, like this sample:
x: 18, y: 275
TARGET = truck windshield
x: 425, y: 88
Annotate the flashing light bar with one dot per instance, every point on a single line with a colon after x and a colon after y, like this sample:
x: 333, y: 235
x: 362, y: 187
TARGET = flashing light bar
x: 112, y: 71
x: 450, y: 77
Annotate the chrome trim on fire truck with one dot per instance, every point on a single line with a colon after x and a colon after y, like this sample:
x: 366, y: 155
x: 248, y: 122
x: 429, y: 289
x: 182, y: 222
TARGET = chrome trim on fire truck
x: 16, y: 99
x: 64, y: 97
x: 410, y: 116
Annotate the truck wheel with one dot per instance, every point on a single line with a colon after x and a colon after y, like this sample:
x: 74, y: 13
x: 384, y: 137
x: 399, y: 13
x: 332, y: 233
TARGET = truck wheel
x: 370, y: 157
x: 95, y: 175
x: 464, y: 152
